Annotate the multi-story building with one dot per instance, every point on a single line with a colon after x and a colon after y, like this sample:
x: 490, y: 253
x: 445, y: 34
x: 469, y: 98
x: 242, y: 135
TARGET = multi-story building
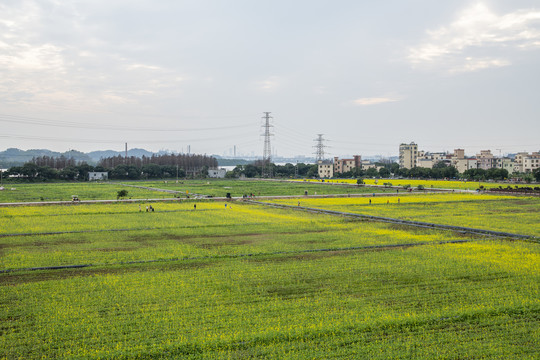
x: 458, y: 154
x: 345, y: 165
x: 326, y: 168
x: 505, y: 163
x: 408, y: 154
x: 463, y: 165
x: 427, y: 159
x: 485, y: 159
x: 531, y: 162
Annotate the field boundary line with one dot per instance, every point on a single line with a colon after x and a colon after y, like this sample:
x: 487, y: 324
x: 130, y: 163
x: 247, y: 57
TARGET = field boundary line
x: 233, y: 256
x: 404, y: 222
x: 114, y: 230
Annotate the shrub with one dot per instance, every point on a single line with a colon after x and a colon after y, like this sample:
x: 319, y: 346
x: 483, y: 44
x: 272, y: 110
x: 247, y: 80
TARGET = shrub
x: 121, y: 194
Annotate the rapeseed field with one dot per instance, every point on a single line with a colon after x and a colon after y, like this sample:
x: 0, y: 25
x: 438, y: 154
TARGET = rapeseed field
x: 225, y: 280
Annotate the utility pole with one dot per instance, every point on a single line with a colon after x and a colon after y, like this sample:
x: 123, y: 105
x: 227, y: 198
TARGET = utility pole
x: 319, y: 148
x: 125, y: 158
x: 267, y: 153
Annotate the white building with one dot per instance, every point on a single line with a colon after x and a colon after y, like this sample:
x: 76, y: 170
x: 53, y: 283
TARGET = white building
x: 326, y: 169
x: 217, y: 173
x: 96, y: 176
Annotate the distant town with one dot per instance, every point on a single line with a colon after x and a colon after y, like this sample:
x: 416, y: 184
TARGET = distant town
x: 142, y: 164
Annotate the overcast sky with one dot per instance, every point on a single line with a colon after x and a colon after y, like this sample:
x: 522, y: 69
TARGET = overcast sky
x: 369, y: 75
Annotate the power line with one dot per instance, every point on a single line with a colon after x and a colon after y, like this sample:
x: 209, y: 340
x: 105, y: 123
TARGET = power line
x: 82, y: 125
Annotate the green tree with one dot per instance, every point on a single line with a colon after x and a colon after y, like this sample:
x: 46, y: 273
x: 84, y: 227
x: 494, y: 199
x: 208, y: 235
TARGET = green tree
x: 153, y: 171
x: 536, y: 174
x: 121, y: 194
x: 313, y: 171
x: 384, y: 172
x: 372, y: 172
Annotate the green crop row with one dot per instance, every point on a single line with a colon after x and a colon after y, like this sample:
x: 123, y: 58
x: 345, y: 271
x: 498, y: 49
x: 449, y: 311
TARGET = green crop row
x: 475, y: 300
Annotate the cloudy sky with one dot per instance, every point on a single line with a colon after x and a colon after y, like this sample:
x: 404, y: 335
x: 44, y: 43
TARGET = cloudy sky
x: 369, y: 75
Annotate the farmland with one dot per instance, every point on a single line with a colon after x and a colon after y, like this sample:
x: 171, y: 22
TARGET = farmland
x: 428, y: 184
x: 519, y: 215
x: 245, y: 280
x: 219, y: 188
x: 28, y: 192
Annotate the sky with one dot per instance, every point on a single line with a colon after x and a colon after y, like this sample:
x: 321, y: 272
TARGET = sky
x: 368, y: 75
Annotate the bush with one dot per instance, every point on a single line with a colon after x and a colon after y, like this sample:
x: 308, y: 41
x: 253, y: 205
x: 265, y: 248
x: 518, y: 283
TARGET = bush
x: 420, y: 187
x: 121, y: 194
x: 407, y: 186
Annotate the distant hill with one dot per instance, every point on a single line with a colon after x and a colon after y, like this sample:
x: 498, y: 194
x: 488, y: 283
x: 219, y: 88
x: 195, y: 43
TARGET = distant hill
x: 13, y: 157
x: 97, y: 155
x: 16, y: 157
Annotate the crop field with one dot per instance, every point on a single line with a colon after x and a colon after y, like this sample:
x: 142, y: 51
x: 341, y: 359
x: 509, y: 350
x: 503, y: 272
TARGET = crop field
x: 238, y: 188
x: 15, y: 192
x: 513, y: 214
x: 428, y: 184
x: 216, y: 188
x: 201, y: 280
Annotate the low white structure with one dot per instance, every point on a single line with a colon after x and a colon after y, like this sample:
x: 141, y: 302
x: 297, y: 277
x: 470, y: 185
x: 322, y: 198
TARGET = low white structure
x: 217, y: 173
x: 94, y: 176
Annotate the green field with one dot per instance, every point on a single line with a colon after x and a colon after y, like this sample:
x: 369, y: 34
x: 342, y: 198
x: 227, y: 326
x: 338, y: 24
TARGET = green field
x: 63, y: 192
x: 251, y: 281
x: 238, y: 188
x: 513, y: 214
x: 26, y: 192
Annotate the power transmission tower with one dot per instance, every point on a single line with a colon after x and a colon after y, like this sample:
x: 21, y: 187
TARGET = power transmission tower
x: 319, y: 148
x: 267, y: 153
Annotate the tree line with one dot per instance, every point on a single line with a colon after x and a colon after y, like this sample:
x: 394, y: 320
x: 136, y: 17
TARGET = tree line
x: 155, y: 167
x: 182, y: 166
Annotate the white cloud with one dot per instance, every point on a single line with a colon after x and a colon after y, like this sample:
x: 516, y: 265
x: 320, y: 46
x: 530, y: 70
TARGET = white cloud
x: 270, y: 84
x: 472, y: 64
x: 373, y: 101
x: 478, y: 30
x: 142, y: 66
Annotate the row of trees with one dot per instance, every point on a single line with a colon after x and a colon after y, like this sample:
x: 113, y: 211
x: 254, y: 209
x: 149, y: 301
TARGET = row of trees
x: 155, y: 167
x: 33, y: 172
x: 138, y: 170
x: 183, y: 161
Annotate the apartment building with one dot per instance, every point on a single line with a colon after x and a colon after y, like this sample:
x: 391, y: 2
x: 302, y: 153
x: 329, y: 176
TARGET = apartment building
x: 325, y: 168
x: 428, y: 160
x: 344, y: 165
x: 505, y: 163
x: 463, y: 165
x: 408, y: 154
x: 531, y: 162
x: 485, y: 159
